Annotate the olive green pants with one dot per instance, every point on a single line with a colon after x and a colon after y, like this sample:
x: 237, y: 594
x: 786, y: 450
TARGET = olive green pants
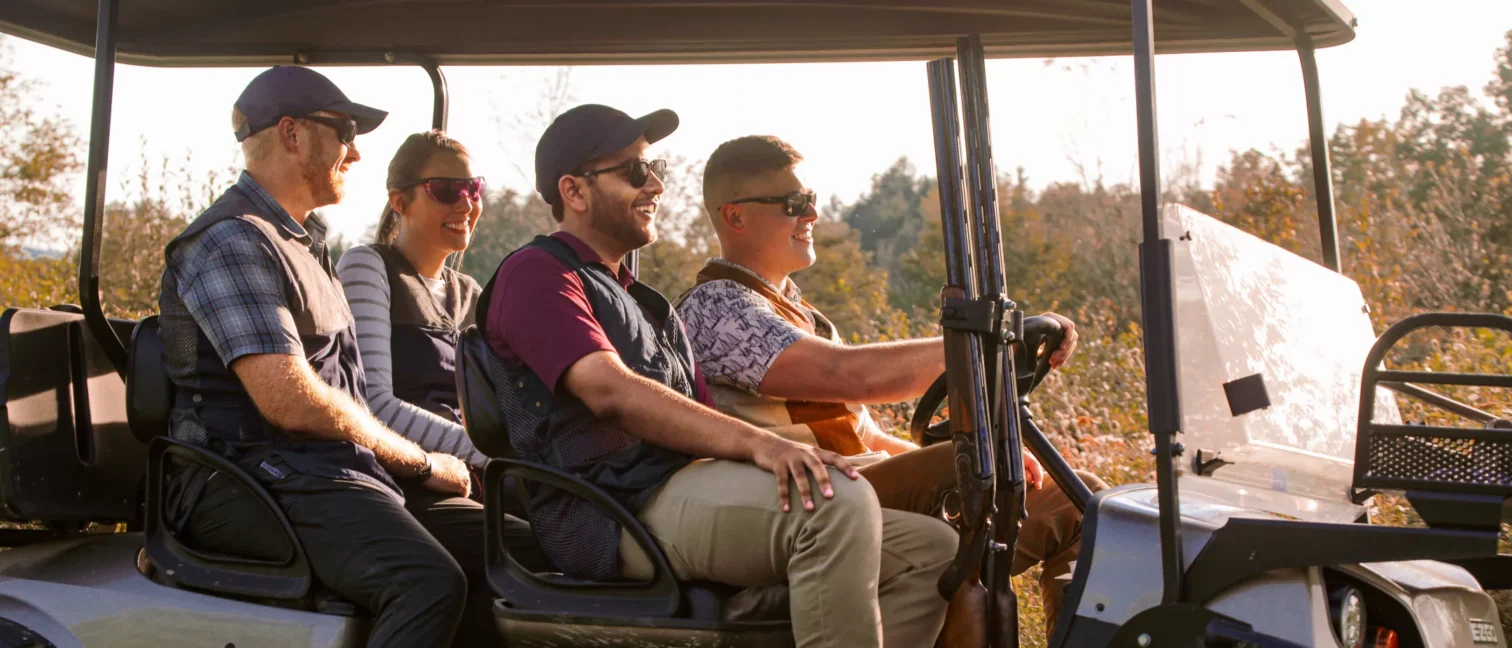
x: 858, y: 575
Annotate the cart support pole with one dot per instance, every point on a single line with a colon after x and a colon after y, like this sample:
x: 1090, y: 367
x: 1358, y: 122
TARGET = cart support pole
x: 439, y: 93
x: 1158, y: 306
x: 1328, y: 234
x: 94, y: 191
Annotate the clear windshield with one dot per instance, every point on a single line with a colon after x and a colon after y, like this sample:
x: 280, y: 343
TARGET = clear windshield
x: 1247, y: 307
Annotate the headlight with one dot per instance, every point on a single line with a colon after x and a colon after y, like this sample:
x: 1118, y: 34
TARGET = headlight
x: 1347, y: 614
x: 20, y: 636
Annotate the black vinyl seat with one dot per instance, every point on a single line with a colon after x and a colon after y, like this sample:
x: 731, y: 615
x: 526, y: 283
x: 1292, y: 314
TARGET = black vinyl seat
x: 66, y: 456
x: 553, y: 610
x: 286, y: 581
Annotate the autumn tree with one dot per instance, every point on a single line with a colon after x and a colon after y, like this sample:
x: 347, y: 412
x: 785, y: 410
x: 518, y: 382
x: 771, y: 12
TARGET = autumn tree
x: 36, y: 209
x: 848, y: 288
x: 167, y: 194
x: 685, y: 235
x: 35, y: 206
x: 40, y: 153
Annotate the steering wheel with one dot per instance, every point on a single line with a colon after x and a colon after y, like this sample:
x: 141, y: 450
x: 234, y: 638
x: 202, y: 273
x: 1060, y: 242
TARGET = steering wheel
x: 1042, y: 336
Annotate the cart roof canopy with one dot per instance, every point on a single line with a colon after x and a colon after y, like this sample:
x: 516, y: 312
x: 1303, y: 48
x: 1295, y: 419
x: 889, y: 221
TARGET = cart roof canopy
x: 480, y: 32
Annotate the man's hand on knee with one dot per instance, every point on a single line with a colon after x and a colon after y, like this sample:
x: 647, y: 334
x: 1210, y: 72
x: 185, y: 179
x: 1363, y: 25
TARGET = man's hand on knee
x: 789, y: 459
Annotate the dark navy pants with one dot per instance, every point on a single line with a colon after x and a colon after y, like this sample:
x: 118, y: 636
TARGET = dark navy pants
x: 417, y: 567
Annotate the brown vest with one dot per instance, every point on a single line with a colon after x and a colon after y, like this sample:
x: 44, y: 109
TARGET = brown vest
x: 835, y: 426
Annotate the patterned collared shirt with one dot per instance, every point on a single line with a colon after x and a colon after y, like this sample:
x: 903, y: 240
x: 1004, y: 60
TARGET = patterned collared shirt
x: 231, y: 284
x: 736, y: 334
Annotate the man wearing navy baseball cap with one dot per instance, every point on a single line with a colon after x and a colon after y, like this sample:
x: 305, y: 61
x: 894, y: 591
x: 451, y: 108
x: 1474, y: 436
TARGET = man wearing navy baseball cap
x: 605, y: 386
x: 260, y: 345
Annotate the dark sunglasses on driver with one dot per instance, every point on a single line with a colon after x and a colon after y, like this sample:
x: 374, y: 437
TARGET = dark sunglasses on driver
x: 794, y: 203
x: 448, y: 191
x: 640, y: 171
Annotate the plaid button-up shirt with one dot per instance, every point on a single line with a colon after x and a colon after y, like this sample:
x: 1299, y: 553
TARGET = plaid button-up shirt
x: 230, y: 282
x: 227, y: 282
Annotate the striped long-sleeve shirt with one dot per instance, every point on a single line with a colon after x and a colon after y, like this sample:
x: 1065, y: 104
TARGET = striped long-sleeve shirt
x: 367, y: 289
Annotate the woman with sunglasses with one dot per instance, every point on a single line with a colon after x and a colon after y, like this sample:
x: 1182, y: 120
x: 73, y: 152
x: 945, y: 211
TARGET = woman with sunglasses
x: 409, y: 306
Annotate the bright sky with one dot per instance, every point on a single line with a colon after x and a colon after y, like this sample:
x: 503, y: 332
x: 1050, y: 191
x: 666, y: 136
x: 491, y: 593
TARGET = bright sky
x: 850, y: 120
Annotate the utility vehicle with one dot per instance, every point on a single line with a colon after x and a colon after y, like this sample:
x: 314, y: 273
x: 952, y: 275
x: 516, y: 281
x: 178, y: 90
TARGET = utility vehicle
x: 1272, y: 416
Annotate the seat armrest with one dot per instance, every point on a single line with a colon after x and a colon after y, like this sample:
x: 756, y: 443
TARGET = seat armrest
x: 289, y: 579
x: 659, y: 597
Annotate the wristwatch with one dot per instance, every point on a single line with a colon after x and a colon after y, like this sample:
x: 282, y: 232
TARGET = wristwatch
x: 425, y: 472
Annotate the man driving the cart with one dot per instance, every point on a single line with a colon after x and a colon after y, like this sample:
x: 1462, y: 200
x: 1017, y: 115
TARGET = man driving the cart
x: 603, y: 384
x: 775, y: 361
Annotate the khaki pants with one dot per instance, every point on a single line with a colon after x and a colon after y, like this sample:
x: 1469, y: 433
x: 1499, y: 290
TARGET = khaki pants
x: 858, y: 575
x: 917, y: 480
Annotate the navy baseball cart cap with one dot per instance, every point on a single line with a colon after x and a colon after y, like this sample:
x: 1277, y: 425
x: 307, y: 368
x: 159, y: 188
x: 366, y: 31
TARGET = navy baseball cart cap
x: 589, y: 132
x: 293, y: 91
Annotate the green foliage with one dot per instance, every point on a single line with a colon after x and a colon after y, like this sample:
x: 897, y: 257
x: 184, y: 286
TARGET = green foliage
x: 685, y: 236
x: 845, y: 286
x: 670, y: 265
x: 887, y: 218
x: 35, y: 282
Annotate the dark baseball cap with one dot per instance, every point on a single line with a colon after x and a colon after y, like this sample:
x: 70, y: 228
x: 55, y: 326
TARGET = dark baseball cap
x: 293, y: 91
x: 589, y: 132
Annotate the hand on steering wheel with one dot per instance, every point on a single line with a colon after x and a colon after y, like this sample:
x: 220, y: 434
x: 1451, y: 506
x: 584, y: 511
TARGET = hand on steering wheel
x: 1050, y: 337
x: 1034, y: 473
x: 1061, y: 353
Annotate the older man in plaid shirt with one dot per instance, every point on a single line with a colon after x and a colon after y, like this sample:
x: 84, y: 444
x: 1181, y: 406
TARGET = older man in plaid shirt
x: 259, y: 343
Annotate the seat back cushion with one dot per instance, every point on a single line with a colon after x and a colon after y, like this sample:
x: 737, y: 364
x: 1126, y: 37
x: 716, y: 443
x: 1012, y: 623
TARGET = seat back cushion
x: 149, y: 391
x: 475, y: 389
x: 68, y: 454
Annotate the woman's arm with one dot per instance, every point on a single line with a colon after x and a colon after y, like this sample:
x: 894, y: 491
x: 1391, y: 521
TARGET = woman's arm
x: 367, y: 292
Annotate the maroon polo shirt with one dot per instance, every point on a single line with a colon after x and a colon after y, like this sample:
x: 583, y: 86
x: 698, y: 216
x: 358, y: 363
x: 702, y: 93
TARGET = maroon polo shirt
x: 540, y: 315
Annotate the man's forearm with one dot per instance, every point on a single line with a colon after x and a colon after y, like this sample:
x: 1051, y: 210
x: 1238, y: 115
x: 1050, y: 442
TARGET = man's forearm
x: 291, y: 396
x: 337, y: 417
x: 815, y: 369
x: 655, y: 413
x: 889, y: 372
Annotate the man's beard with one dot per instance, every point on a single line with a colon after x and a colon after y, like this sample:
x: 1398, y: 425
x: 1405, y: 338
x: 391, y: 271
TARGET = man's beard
x: 619, y: 222
x: 327, y: 185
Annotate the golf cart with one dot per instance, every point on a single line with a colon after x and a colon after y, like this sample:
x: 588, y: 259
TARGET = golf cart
x: 1256, y: 512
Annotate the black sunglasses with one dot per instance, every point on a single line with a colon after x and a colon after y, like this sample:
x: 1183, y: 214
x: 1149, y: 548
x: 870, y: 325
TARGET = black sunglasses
x: 794, y: 203
x: 448, y: 191
x: 640, y: 171
x: 346, y: 129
